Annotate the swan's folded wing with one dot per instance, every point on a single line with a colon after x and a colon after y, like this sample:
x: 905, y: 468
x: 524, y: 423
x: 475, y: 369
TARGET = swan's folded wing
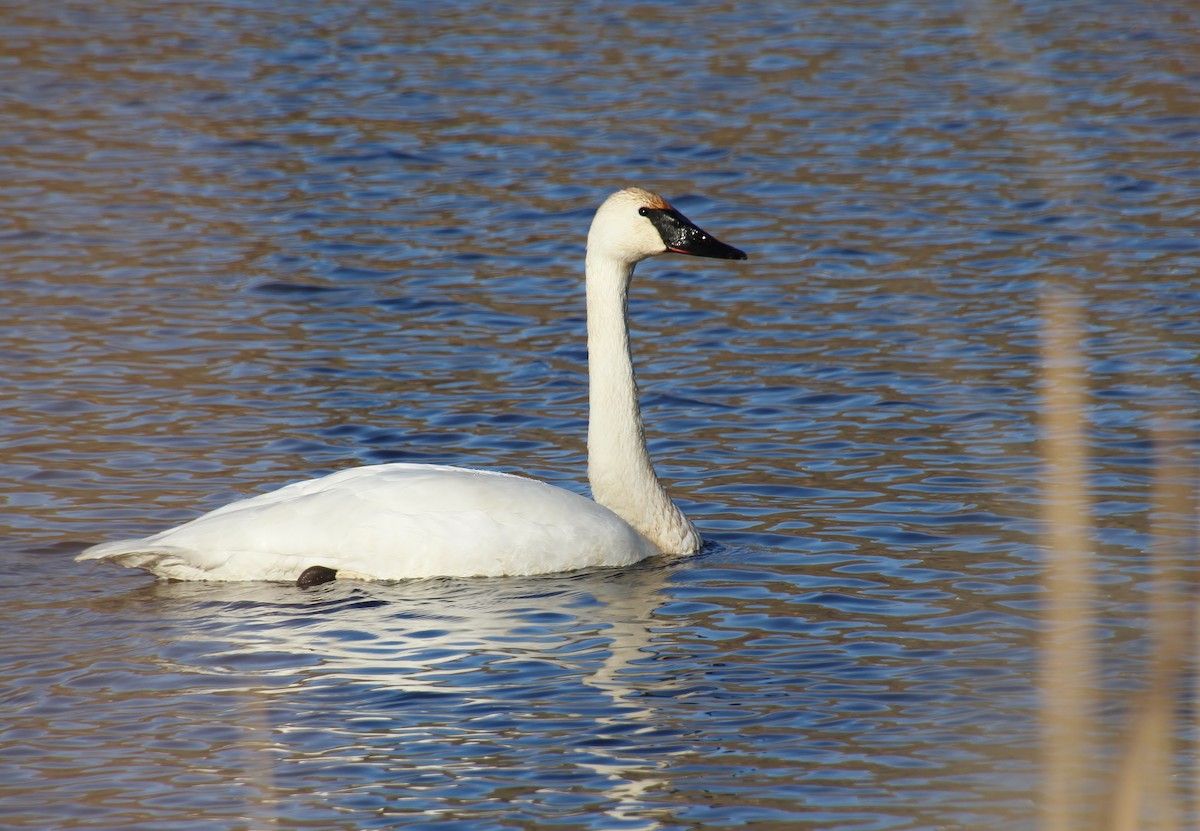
x: 391, y: 522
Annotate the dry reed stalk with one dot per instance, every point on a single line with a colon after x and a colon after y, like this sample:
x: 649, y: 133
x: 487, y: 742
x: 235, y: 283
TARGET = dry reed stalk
x: 1141, y: 795
x: 1143, y: 798
x: 1068, y: 673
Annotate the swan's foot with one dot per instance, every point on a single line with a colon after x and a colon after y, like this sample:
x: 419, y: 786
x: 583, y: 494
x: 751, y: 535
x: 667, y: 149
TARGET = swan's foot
x: 315, y: 576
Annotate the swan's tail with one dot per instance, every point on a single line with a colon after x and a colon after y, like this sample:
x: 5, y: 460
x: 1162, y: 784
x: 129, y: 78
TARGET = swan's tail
x: 165, y: 561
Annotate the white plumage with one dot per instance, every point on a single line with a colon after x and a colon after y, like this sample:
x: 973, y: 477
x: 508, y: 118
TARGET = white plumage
x: 398, y: 521
x: 390, y: 522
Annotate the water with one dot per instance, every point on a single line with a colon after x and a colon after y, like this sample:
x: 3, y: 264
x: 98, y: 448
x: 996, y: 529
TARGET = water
x: 246, y: 243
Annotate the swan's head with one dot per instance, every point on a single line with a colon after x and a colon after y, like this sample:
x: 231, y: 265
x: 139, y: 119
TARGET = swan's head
x: 634, y: 224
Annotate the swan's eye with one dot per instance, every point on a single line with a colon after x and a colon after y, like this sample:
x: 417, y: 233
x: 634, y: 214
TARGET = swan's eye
x: 643, y: 211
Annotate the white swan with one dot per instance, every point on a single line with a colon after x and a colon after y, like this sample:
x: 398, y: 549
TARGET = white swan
x: 397, y: 521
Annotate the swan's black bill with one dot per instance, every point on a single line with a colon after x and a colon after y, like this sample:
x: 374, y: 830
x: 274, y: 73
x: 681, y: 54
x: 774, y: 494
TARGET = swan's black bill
x: 683, y: 236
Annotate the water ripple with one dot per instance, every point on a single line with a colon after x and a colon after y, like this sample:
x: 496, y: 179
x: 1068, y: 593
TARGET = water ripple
x: 247, y: 244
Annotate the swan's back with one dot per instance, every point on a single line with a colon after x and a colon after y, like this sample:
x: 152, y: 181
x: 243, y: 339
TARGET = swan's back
x: 391, y: 522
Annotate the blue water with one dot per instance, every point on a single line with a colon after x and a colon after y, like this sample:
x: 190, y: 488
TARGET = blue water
x: 246, y: 243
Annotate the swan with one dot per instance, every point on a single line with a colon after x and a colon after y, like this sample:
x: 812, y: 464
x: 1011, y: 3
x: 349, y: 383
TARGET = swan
x: 399, y: 521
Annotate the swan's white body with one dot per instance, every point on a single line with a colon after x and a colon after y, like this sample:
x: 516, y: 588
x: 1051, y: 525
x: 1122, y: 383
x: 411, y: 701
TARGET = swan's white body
x: 398, y: 521
x: 391, y: 522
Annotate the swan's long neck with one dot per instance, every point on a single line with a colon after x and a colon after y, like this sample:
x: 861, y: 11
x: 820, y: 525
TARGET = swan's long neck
x: 619, y: 467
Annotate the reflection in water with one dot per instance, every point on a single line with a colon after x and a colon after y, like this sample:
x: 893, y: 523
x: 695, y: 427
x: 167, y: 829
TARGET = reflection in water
x: 629, y: 690
x: 383, y: 648
x: 246, y: 244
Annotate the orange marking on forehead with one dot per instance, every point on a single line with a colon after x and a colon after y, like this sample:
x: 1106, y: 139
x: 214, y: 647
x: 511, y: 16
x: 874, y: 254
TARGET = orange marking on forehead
x: 644, y: 198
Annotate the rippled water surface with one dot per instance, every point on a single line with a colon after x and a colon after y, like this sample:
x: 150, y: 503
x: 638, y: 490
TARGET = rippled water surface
x: 245, y: 243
